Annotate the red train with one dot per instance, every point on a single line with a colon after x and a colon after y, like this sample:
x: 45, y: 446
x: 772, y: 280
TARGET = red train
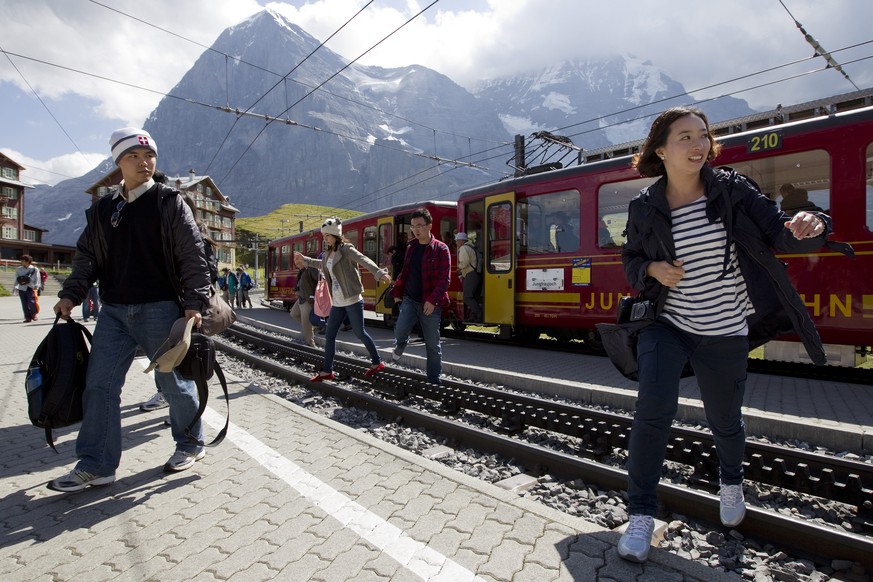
x: 552, y: 240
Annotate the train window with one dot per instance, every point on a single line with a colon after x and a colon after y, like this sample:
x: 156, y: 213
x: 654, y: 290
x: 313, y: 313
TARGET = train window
x: 868, y: 173
x: 371, y: 249
x: 273, y: 259
x: 800, y: 181
x: 386, y: 239
x: 499, y: 252
x: 548, y: 223
x: 448, y: 231
x: 312, y: 248
x: 285, y: 264
x: 612, y: 202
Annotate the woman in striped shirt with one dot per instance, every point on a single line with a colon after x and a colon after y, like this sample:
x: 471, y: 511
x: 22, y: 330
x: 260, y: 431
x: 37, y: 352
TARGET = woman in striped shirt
x: 700, y: 245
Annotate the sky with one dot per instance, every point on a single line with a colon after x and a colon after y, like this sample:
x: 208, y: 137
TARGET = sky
x: 59, y: 103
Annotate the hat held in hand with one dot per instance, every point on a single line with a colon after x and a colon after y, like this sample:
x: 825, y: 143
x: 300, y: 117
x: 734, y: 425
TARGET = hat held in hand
x: 173, y: 350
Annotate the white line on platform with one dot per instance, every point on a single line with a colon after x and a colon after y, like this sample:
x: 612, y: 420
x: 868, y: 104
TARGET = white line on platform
x: 419, y: 558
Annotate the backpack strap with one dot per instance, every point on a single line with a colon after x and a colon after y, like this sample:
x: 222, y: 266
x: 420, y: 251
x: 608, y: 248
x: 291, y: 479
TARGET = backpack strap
x: 203, y: 397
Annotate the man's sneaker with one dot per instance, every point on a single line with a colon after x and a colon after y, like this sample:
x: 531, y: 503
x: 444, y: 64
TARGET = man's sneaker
x: 732, y: 506
x: 395, y: 355
x: 182, y: 460
x: 77, y: 480
x: 156, y: 402
x: 637, y: 539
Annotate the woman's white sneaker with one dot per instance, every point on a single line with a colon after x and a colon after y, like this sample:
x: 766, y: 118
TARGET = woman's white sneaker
x: 637, y: 538
x: 732, y: 505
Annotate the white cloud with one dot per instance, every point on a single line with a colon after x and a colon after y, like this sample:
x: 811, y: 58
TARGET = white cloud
x: 56, y: 169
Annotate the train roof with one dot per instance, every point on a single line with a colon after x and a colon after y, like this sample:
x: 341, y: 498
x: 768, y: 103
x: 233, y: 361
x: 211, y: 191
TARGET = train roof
x: 399, y: 209
x: 799, y: 118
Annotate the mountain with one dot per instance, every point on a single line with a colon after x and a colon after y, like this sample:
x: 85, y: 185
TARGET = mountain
x: 596, y: 102
x: 371, y: 137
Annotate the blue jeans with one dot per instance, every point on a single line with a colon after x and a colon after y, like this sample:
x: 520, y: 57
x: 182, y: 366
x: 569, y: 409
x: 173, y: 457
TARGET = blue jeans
x: 120, y: 329
x: 355, y: 315
x: 410, y: 314
x: 719, y: 364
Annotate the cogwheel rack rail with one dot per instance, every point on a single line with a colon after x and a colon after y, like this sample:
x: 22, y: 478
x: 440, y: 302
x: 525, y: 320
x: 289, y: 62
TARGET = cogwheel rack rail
x: 598, y: 432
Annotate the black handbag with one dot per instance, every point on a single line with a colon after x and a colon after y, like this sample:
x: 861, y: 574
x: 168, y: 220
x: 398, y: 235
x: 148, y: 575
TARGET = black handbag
x: 620, y: 343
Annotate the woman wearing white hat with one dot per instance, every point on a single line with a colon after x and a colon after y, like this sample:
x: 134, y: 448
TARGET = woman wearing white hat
x: 340, y: 268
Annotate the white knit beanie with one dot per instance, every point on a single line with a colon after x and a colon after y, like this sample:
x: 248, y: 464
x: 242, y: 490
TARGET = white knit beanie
x: 127, y: 138
x: 333, y: 226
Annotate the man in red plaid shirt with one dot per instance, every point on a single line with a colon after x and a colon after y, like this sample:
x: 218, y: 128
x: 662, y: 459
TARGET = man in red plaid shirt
x: 421, y: 289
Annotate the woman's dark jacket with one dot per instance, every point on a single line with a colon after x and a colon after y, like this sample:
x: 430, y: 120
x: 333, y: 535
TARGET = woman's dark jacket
x: 182, y: 247
x: 755, y: 225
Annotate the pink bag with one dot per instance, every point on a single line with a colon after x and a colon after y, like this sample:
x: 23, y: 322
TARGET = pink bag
x: 322, y: 298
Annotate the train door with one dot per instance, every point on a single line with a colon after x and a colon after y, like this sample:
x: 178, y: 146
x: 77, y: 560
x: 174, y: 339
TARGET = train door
x: 499, y: 253
x: 384, y: 240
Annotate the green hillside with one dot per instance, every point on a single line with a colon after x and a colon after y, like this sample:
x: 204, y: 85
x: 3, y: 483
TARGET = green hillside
x: 284, y: 221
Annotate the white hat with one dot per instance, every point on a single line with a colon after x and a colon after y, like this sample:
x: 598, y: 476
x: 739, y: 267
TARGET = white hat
x: 173, y: 350
x: 127, y: 138
x: 461, y: 236
x: 333, y: 226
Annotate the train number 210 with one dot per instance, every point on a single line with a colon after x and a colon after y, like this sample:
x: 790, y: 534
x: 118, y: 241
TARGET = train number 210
x: 765, y: 142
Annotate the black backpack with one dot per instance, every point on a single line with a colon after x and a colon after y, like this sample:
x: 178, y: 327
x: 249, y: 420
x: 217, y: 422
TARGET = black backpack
x: 200, y: 365
x: 56, y: 378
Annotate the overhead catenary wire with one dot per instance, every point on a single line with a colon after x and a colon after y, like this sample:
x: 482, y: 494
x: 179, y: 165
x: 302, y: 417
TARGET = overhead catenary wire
x: 819, y: 50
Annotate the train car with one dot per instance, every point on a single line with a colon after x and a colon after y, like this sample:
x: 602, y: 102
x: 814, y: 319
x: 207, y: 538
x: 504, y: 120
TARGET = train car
x: 552, y: 240
x: 373, y: 234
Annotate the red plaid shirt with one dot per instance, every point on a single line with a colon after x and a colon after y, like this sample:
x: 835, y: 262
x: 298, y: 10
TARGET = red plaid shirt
x: 436, y: 272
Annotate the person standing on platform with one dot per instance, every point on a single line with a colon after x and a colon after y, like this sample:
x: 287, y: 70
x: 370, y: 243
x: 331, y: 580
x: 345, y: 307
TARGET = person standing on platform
x: 340, y: 268
x: 700, y: 246
x: 245, y: 284
x: 471, y: 279
x: 422, y: 291
x: 91, y: 303
x: 307, y: 278
x: 233, y: 289
x: 144, y: 231
x: 26, y: 284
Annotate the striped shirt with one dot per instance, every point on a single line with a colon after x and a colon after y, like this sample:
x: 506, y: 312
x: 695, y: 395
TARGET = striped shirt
x: 708, y: 300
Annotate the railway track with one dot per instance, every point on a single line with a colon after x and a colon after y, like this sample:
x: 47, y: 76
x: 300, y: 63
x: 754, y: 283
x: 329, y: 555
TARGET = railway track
x: 598, y: 433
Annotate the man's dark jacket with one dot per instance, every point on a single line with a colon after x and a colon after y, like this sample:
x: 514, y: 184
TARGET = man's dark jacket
x: 182, y: 246
x: 754, y: 224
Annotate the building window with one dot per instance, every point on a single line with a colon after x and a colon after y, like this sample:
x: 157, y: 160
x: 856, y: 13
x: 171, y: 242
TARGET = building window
x: 10, y: 232
x: 10, y: 173
x: 10, y: 212
x: 10, y: 192
x: 30, y: 235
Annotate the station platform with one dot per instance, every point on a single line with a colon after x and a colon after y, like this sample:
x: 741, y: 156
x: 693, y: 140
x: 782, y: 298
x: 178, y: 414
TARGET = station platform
x: 289, y: 495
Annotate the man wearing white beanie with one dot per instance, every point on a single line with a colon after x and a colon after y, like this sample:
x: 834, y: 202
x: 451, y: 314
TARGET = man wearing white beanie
x: 144, y: 246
